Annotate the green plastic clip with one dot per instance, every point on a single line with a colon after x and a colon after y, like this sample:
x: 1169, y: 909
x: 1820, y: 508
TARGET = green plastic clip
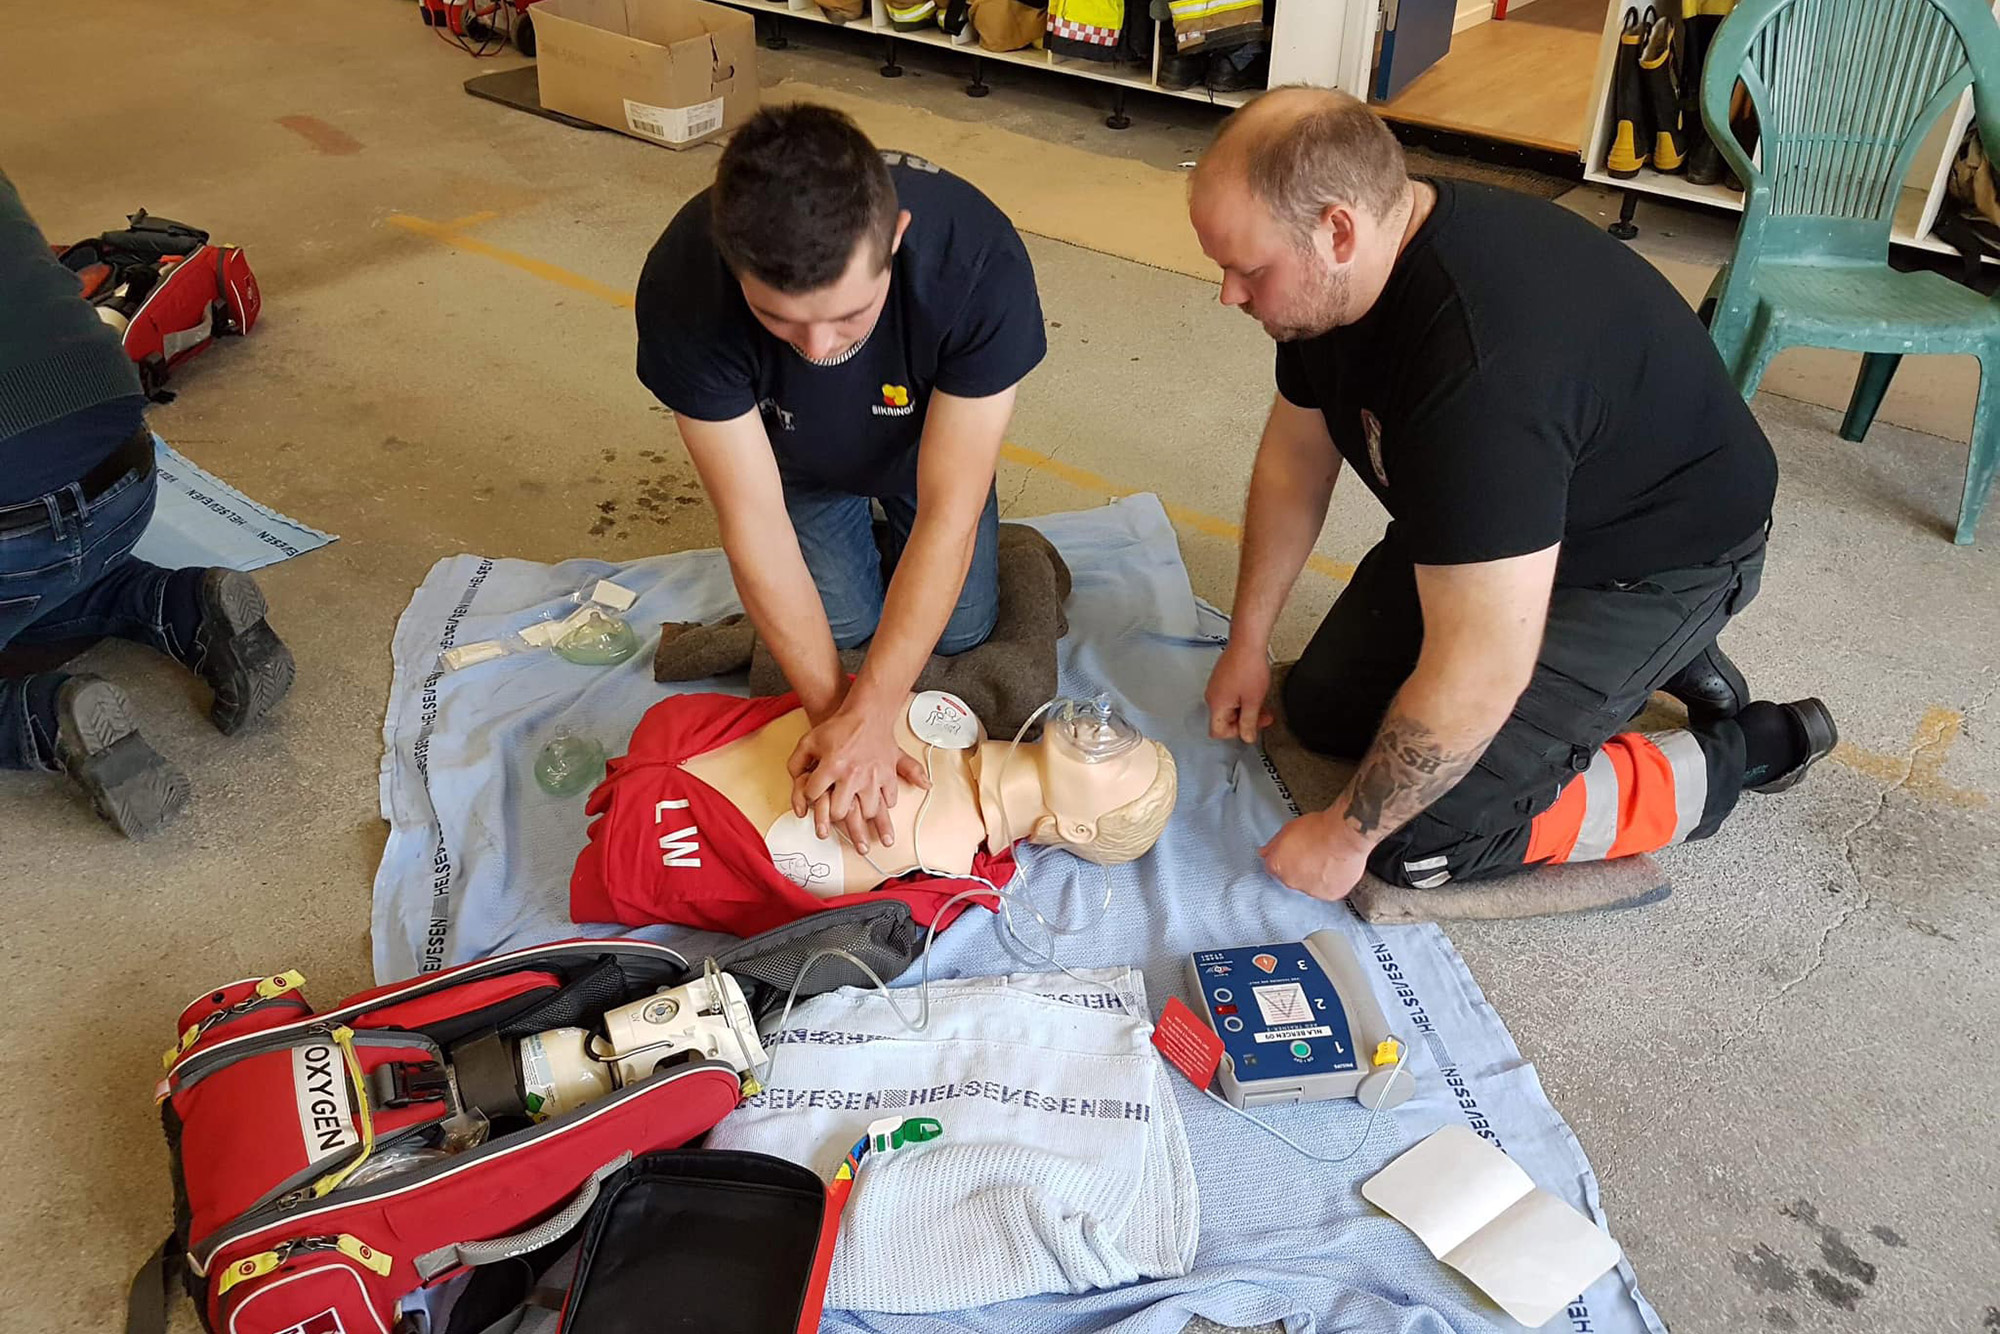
x: 887, y: 1136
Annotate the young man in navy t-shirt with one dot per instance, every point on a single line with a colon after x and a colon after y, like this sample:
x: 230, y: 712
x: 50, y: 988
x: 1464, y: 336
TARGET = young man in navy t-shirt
x: 831, y: 326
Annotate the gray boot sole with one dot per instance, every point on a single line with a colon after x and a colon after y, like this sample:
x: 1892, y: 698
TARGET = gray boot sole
x: 248, y: 666
x: 128, y: 783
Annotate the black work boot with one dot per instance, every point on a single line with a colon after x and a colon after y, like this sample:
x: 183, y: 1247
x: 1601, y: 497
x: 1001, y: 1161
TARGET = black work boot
x: 1182, y: 71
x: 1710, y: 686
x: 99, y: 747
x: 1225, y: 76
x: 1813, y: 735
x: 1704, y: 162
x: 237, y: 653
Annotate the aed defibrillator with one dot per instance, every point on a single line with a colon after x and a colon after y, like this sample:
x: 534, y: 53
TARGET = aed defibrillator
x: 1299, y: 1023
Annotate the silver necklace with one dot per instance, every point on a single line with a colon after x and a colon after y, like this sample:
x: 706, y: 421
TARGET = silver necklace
x: 839, y: 359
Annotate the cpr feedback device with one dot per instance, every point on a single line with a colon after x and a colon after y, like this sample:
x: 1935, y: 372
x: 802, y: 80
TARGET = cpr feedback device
x: 1298, y: 1023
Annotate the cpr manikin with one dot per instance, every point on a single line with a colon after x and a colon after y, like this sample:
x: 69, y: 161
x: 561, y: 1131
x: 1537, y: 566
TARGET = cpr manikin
x: 695, y: 824
x: 1091, y: 785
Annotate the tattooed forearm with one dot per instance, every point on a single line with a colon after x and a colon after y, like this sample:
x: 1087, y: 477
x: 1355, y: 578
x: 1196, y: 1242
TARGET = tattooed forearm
x: 1406, y: 769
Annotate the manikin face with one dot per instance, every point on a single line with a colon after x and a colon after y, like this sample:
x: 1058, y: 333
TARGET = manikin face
x: 1076, y: 793
x: 825, y: 325
x: 1295, y: 285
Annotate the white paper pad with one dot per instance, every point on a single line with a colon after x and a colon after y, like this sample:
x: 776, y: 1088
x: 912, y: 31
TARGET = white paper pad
x: 1477, y: 1211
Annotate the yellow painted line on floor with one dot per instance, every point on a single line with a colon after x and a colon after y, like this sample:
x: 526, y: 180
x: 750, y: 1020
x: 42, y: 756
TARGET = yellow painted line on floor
x: 467, y: 222
x: 1919, y: 770
x: 453, y: 234
x: 457, y: 238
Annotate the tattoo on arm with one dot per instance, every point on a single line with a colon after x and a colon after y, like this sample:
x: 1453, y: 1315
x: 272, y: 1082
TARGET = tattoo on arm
x: 1406, y: 770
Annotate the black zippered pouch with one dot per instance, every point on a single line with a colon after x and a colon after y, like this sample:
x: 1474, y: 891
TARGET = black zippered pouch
x: 713, y: 1241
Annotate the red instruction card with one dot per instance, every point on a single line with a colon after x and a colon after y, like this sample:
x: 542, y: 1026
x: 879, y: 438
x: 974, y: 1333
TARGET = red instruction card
x: 1191, y: 1046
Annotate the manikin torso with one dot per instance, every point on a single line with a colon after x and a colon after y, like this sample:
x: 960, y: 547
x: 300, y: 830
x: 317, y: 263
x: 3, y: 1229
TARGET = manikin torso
x: 1047, y: 790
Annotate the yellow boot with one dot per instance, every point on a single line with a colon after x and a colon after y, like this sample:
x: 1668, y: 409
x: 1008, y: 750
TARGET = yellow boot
x: 1662, y: 96
x: 1631, y: 145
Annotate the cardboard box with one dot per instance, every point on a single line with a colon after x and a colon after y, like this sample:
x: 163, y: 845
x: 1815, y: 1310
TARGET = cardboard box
x: 673, y: 72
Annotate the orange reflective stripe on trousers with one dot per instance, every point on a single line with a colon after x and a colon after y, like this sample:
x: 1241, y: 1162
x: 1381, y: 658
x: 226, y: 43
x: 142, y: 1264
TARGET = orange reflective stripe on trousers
x: 1642, y: 791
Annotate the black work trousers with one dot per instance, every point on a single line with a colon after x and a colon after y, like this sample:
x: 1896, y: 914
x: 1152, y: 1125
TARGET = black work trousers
x: 1604, y: 652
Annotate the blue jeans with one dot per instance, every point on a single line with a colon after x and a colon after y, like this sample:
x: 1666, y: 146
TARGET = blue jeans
x: 837, y: 537
x: 74, y: 578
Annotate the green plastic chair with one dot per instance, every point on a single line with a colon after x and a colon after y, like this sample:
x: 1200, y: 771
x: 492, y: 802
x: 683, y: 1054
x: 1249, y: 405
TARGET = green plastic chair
x: 1845, y: 90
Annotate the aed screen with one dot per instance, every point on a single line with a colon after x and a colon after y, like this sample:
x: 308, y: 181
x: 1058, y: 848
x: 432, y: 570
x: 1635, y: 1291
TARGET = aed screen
x: 1283, y: 1003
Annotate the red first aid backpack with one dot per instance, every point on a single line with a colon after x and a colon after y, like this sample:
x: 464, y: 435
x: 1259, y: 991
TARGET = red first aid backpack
x: 174, y: 291
x: 272, y: 1109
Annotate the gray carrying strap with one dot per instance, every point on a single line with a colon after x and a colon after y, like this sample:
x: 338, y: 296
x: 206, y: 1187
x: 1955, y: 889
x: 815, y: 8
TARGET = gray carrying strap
x: 541, y: 1313
x: 470, y: 1253
x: 153, y: 1288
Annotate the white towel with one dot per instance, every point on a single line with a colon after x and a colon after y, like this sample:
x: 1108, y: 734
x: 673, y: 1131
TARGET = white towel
x: 1063, y: 1165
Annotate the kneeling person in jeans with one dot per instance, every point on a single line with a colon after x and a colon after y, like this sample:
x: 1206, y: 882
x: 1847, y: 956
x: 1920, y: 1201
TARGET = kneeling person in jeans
x: 831, y: 326
x: 76, y: 491
x: 1578, y: 500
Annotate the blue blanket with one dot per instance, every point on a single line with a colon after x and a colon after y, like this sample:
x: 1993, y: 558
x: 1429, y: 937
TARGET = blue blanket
x: 478, y: 861
x: 199, y: 519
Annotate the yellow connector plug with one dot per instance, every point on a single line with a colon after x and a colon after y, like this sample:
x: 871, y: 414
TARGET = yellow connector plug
x: 1388, y: 1051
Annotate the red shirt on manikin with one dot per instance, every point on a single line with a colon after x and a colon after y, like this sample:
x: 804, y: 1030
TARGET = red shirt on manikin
x: 666, y: 847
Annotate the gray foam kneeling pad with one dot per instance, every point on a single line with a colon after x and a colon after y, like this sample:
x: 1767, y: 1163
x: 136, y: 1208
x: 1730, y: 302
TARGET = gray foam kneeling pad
x: 1546, y: 891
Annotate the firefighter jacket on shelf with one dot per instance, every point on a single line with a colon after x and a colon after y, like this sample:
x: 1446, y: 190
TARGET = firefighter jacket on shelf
x: 907, y: 15
x: 1088, y: 29
x: 1212, y: 25
x: 1009, y: 25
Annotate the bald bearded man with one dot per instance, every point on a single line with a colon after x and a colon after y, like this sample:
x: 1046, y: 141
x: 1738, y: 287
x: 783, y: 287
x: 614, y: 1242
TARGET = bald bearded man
x: 1578, y: 502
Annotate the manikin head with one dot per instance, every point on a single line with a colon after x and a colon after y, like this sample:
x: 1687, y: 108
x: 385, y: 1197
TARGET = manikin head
x: 1092, y: 785
x: 804, y: 214
x: 1302, y: 201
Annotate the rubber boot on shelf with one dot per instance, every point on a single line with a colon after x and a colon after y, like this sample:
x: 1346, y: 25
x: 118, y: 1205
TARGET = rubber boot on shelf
x: 1662, y: 96
x: 1704, y: 159
x: 1631, y: 143
x: 1704, y: 166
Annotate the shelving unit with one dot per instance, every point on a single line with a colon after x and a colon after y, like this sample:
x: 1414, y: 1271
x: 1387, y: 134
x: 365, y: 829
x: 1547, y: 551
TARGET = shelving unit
x: 1328, y: 43
x: 1916, y: 214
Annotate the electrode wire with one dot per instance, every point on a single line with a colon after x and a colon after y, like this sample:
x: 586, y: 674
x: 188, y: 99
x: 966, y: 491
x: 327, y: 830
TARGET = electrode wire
x: 1367, y: 1130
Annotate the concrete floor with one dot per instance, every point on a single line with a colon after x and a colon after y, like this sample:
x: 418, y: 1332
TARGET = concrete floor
x: 1785, y: 1074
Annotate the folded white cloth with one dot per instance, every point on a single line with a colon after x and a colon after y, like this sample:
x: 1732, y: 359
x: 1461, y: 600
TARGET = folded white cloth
x: 1063, y: 1165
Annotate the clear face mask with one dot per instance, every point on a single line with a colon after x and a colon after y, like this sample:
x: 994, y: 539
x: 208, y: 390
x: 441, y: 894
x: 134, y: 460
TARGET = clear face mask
x: 1092, y: 729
